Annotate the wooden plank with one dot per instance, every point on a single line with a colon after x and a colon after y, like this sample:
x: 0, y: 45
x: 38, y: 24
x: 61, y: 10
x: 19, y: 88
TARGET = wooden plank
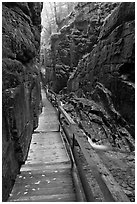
x: 47, y: 198
x: 37, y: 190
x: 46, y: 175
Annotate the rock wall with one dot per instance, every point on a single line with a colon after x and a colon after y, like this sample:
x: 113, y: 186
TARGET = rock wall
x: 77, y: 37
x: 101, y: 95
x: 107, y: 73
x: 21, y: 97
x: 97, y: 51
x: 94, y: 56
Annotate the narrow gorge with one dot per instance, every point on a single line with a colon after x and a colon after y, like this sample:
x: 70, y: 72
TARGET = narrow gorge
x: 85, y: 53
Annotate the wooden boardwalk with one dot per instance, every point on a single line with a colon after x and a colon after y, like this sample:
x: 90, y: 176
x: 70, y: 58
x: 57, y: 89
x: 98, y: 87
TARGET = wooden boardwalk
x: 46, y: 175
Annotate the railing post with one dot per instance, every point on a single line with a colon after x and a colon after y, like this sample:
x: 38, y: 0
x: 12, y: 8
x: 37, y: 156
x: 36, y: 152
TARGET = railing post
x: 73, y: 142
x: 59, y: 116
x: 59, y: 119
x: 55, y: 99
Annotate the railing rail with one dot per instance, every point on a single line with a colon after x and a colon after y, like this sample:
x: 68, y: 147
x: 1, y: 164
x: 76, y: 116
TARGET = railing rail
x: 77, y: 182
x: 109, y: 187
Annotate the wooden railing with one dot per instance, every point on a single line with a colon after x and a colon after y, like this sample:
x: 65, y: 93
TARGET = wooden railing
x: 109, y: 187
x: 76, y: 179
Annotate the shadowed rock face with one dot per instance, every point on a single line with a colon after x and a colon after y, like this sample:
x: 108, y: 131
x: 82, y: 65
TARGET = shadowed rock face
x: 95, y: 54
x: 100, y: 93
x: 21, y: 84
x: 110, y: 67
x: 77, y: 37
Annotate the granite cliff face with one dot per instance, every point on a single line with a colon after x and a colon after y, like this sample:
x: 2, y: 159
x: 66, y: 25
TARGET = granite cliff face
x: 21, y: 97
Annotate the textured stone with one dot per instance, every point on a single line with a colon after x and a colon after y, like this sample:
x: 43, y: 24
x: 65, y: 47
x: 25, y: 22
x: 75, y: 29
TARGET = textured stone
x: 21, y: 85
x: 77, y: 37
x: 125, y: 12
x: 112, y: 64
x: 101, y: 86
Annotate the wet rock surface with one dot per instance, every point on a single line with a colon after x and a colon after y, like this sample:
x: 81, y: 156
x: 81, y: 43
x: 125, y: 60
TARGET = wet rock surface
x: 21, y: 85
